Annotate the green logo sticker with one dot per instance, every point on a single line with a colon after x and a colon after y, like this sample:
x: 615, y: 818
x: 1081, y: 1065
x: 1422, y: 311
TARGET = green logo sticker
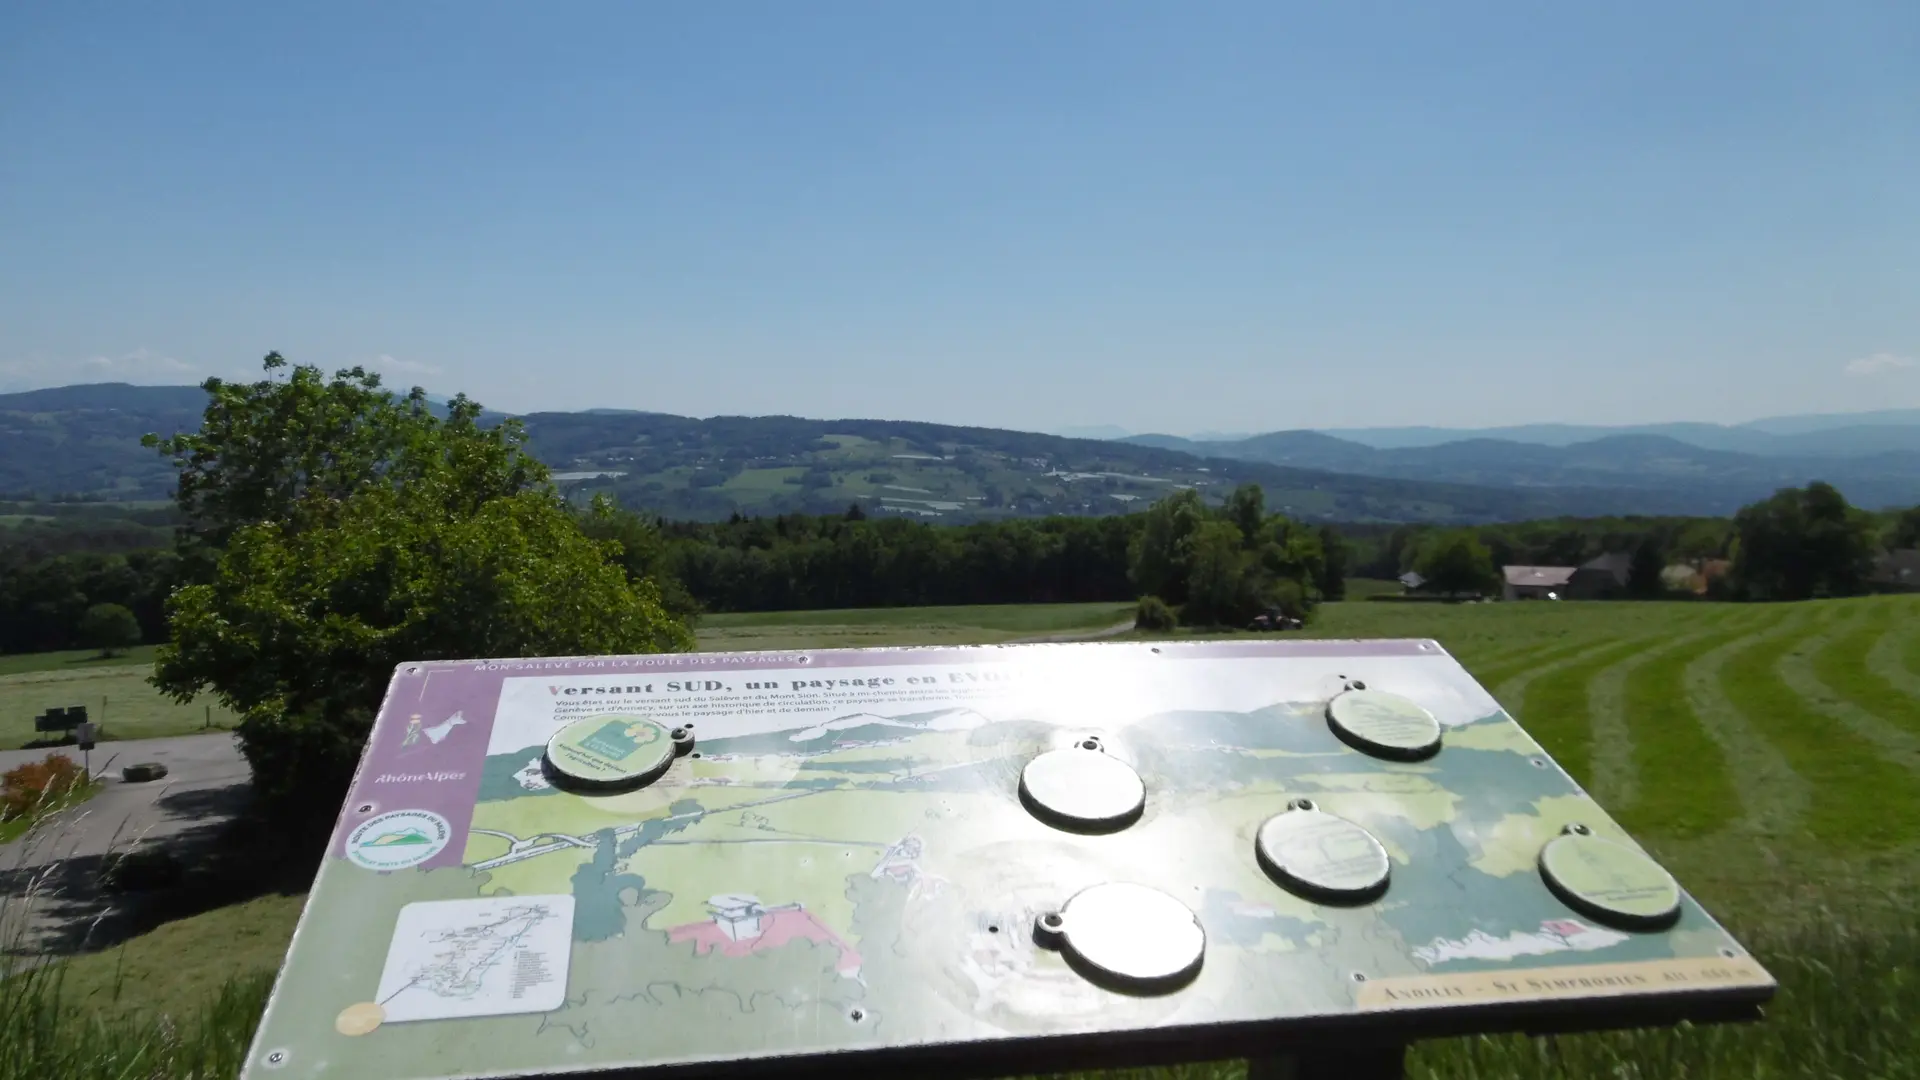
x: 398, y: 839
x: 610, y: 749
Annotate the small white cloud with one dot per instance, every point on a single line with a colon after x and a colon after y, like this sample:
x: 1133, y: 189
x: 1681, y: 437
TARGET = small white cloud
x: 407, y: 367
x: 1880, y: 363
x: 142, y: 365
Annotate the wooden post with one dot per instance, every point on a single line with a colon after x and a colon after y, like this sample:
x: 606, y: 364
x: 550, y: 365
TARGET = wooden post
x: 1333, y: 1063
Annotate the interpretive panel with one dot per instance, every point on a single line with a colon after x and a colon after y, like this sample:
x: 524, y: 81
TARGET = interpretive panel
x: 978, y: 855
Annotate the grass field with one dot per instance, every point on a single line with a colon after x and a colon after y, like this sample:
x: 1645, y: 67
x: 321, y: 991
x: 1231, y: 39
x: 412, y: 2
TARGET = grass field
x: 115, y: 693
x: 1769, y: 755
x: 864, y: 627
x: 73, y: 660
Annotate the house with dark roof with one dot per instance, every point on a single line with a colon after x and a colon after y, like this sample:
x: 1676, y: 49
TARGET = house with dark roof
x: 1601, y: 578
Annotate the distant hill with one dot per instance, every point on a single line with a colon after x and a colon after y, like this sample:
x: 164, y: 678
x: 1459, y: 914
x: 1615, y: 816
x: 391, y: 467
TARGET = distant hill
x: 85, y: 440
x: 1815, y: 435
x: 1712, y: 480
x: 685, y: 467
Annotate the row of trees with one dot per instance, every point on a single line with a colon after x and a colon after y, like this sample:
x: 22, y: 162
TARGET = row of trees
x: 44, y: 602
x: 806, y: 561
x: 1221, y: 564
x: 1799, y: 544
x: 1389, y: 551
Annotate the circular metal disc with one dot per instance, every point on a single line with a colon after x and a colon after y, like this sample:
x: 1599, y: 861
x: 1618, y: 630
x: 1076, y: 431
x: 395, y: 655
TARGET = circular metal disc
x: 1132, y: 933
x: 1322, y: 856
x: 1384, y: 725
x: 1610, y: 881
x: 1085, y: 788
x: 610, y: 751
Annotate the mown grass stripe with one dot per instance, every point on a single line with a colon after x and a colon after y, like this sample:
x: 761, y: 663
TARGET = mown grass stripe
x: 1682, y: 785
x: 1887, y: 656
x: 1838, y: 764
x: 1495, y: 677
x: 1647, y: 620
x: 1832, y: 677
x: 1506, y: 655
x: 1555, y: 708
x: 1843, y: 666
x: 1773, y: 798
x: 1614, y: 780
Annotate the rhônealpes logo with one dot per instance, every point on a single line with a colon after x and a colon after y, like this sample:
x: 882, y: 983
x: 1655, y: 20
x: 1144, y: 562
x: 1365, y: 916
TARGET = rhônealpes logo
x: 398, y: 839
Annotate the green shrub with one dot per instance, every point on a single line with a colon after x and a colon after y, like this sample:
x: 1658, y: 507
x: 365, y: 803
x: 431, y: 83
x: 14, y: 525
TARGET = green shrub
x: 38, y: 785
x: 1154, y: 614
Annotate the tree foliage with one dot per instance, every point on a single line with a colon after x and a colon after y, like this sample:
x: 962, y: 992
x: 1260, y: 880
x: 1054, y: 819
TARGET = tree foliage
x: 359, y: 531
x: 1906, y: 530
x: 1387, y: 551
x: 1456, y: 563
x: 266, y: 447
x: 1335, y: 553
x: 1803, y: 543
x: 44, y: 602
x: 1152, y: 613
x: 1222, y: 567
x: 1645, y: 574
x: 111, y: 628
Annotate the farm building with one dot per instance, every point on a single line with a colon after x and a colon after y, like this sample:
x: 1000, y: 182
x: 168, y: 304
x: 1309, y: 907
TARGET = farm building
x: 1536, y: 582
x: 1595, y: 579
x: 1602, y: 577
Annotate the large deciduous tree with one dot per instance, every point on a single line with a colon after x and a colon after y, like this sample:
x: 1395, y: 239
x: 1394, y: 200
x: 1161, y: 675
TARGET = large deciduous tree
x: 1802, y: 543
x: 1456, y: 563
x: 1227, y: 565
x: 358, y: 531
x: 111, y: 628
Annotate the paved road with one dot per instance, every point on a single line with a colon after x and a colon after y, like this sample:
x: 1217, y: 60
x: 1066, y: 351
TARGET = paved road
x: 206, y: 783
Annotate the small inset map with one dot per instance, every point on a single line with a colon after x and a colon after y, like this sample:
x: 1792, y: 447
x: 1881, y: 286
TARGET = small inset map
x: 485, y: 957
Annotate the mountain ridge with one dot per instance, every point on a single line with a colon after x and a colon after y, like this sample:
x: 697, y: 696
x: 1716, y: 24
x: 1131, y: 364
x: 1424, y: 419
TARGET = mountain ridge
x: 84, y: 440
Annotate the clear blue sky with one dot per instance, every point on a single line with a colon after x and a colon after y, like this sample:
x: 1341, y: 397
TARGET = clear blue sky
x: 1028, y: 214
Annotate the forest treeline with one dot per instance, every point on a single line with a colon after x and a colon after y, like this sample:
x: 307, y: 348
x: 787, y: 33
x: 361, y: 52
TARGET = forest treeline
x: 801, y: 561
